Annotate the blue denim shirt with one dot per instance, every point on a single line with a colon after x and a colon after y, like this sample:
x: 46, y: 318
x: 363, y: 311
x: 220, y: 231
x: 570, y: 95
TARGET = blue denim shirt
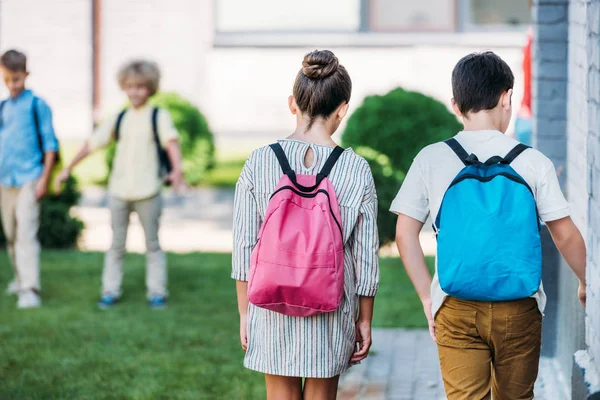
x: 20, y: 152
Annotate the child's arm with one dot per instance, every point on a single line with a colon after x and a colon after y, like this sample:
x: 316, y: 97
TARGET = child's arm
x: 246, y: 224
x: 571, y: 245
x: 49, y: 144
x: 42, y: 185
x: 409, y: 246
x: 66, y: 172
x: 174, y: 153
x: 242, y: 296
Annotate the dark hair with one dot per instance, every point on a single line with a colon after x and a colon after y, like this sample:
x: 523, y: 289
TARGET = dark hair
x: 322, y: 84
x: 478, y: 81
x: 14, y: 60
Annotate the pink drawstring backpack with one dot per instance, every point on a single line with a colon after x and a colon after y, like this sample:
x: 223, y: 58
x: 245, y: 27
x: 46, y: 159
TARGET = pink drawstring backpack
x: 297, y: 265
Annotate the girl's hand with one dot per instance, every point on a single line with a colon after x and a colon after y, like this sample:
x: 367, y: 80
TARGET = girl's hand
x: 244, y: 331
x: 61, y: 178
x: 363, y: 340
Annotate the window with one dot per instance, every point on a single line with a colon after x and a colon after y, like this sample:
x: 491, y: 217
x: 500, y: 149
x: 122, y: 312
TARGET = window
x: 493, y: 13
x: 282, y: 22
x: 412, y: 15
x: 288, y: 16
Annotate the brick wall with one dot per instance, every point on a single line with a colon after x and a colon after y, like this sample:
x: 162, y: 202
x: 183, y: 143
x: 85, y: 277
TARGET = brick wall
x: 593, y: 178
x: 57, y: 40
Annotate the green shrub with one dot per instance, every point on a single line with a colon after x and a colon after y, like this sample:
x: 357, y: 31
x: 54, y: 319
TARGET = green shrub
x: 58, y: 229
x: 195, y: 136
x: 389, y: 131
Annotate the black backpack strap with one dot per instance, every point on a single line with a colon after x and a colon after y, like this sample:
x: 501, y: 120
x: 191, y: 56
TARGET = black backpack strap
x: 514, y: 153
x: 118, y: 124
x: 287, y: 170
x: 283, y: 161
x: 335, y: 155
x: 2, y: 108
x: 36, y: 123
x: 458, y: 149
x: 155, y: 127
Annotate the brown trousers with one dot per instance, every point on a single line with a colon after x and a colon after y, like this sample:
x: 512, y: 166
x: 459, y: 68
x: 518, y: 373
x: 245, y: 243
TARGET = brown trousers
x: 489, y: 348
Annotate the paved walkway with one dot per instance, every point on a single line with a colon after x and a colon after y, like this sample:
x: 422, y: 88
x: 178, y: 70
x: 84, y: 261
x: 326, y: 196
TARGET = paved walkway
x: 404, y: 366
x: 201, y: 220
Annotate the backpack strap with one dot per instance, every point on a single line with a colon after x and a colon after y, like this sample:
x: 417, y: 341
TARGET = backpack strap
x: 36, y: 124
x: 283, y: 161
x: 458, y: 149
x: 118, y: 124
x: 287, y: 170
x: 155, y: 127
x: 2, y: 108
x: 333, y: 158
x: 514, y: 153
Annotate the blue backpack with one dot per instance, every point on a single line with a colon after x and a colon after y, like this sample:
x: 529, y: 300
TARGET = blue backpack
x: 488, y: 232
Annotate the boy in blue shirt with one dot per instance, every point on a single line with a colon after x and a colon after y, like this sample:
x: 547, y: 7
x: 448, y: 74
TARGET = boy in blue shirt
x: 28, y: 149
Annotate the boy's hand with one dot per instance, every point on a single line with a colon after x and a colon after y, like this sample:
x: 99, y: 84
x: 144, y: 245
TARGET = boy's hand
x: 581, y: 293
x: 244, y: 331
x: 61, y: 178
x: 176, y: 180
x: 41, y: 188
x: 430, y: 320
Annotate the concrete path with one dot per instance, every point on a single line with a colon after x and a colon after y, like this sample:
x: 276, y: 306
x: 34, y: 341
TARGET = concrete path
x: 200, y: 220
x: 404, y: 366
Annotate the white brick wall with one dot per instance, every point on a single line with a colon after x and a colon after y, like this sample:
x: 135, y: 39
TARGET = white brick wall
x: 593, y: 178
x: 57, y: 40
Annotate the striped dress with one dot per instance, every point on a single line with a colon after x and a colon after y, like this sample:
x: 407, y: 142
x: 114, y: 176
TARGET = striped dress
x: 318, y: 346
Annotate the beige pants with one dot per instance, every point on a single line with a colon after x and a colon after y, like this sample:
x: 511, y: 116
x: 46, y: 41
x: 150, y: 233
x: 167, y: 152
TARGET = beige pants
x: 21, y: 221
x: 148, y: 211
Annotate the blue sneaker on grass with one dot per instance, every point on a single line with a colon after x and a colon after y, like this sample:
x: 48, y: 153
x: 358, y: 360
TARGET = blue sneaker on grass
x: 107, y: 301
x: 157, y: 302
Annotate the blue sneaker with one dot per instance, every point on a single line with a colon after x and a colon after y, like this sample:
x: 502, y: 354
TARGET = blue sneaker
x: 107, y: 301
x: 157, y: 302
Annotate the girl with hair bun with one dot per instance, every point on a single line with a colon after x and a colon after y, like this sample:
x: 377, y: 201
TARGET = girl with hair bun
x: 318, y: 347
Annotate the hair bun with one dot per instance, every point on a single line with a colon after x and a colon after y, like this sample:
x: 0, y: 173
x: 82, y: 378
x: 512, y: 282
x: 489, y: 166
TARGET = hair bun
x: 319, y: 64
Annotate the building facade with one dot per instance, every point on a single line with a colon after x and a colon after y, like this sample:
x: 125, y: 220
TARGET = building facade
x: 566, y: 87
x: 237, y: 59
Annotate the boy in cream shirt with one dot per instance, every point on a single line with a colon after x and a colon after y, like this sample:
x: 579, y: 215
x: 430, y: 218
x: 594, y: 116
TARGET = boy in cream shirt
x: 485, y: 347
x: 136, y: 179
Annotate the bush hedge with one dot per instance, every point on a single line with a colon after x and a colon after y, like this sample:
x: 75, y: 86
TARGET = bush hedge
x: 389, y: 130
x: 58, y: 229
x: 195, y: 136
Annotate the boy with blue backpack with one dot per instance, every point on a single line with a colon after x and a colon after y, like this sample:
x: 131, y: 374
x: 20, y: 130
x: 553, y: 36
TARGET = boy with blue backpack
x: 486, y: 194
x: 28, y: 151
x: 147, y: 154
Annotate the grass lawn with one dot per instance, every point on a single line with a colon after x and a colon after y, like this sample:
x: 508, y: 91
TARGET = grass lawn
x: 69, y: 349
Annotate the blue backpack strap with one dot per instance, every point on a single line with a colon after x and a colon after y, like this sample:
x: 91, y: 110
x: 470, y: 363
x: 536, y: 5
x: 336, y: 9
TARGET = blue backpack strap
x: 514, y: 153
x: 118, y: 124
x: 458, y: 150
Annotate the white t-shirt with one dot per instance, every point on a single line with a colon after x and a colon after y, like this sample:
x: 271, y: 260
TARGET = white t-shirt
x: 436, y: 166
